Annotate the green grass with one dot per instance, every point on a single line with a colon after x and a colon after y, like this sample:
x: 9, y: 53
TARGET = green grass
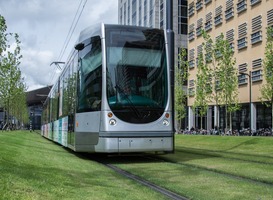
x: 32, y: 167
x: 213, y: 167
x: 203, y: 167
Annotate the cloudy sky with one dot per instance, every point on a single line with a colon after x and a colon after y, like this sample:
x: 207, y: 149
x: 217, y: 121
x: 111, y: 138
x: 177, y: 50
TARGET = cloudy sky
x: 43, y: 26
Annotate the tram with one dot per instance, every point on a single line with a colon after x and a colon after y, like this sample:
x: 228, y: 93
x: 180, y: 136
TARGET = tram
x: 114, y: 93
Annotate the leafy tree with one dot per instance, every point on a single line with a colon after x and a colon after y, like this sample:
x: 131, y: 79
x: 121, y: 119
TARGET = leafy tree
x: 219, y: 56
x: 203, y: 88
x: 11, y: 83
x: 267, y: 88
x: 228, y: 79
x: 211, y: 59
x: 181, y: 76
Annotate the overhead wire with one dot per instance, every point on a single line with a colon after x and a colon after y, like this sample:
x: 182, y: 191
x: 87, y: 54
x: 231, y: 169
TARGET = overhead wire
x: 70, y: 33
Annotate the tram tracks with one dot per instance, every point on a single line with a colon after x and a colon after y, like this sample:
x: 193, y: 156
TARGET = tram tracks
x: 215, y: 171
x: 126, y: 165
x: 167, y: 193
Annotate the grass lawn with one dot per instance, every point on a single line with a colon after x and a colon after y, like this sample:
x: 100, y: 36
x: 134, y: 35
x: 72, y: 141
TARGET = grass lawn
x: 203, y: 167
x: 32, y: 167
x: 213, y: 167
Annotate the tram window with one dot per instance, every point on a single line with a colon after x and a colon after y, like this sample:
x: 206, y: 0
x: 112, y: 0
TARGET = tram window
x: 90, y: 77
x: 54, y: 103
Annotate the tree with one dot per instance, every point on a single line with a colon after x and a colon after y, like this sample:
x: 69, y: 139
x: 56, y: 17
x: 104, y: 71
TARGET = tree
x: 228, y: 79
x: 211, y: 59
x: 267, y: 88
x: 12, y: 84
x: 219, y: 56
x: 181, y: 76
x: 203, y: 88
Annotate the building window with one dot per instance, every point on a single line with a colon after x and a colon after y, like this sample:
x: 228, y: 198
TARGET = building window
x: 134, y: 17
x: 199, y: 31
x: 256, y: 23
x: 120, y: 16
x: 218, y: 16
x: 191, y: 32
x: 256, y: 76
x: 218, y: 20
x: 191, y: 83
x: 191, y: 36
x: 230, y: 38
x: 199, y: 52
x: 242, y: 43
x: 140, y: 13
x: 207, y: 2
x: 242, y: 33
x: 199, y: 5
x: 256, y: 37
x: 191, y: 92
x: 208, y: 26
x: 229, y: 13
x: 242, y: 79
x: 128, y: 12
x: 242, y: 67
x: 257, y: 63
x: 270, y: 17
x: 241, y: 6
x: 191, y: 58
x: 254, y: 2
x: 191, y: 9
x: 124, y: 13
x: 208, y: 23
x: 191, y: 88
x: 151, y: 14
x: 191, y: 64
x: 199, y: 27
x: 208, y: 54
x: 231, y: 45
x: 182, y: 18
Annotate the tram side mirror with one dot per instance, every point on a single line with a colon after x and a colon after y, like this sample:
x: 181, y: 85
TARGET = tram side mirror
x: 79, y: 46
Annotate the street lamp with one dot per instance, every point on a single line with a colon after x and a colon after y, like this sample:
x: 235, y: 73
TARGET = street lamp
x: 250, y: 114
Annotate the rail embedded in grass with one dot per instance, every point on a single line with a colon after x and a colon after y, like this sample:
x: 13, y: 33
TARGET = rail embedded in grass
x: 210, y: 176
x: 35, y: 168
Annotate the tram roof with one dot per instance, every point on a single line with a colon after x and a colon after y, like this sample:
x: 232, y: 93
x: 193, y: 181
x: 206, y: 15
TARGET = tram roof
x: 96, y: 30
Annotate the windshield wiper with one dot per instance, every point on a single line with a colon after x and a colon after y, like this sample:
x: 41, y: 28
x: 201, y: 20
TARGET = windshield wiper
x: 132, y: 106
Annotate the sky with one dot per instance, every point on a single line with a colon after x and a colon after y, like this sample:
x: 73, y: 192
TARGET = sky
x: 43, y: 27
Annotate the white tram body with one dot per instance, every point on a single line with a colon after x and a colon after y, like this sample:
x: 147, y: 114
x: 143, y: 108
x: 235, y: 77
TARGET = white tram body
x: 114, y: 93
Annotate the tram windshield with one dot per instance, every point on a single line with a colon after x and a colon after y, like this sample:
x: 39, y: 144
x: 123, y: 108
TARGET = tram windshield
x: 136, y: 73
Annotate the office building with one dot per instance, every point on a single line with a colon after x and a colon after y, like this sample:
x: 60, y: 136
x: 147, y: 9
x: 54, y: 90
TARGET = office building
x: 152, y: 13
x: 243, y: 23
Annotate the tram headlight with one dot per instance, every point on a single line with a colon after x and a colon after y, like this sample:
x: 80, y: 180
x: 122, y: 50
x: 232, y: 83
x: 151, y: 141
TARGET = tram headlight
x: 166, y: 122
x: 112, y: 122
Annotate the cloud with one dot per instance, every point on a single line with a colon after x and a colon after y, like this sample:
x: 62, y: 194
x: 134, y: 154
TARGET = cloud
x: 43, y: 27
x: 35, y: 67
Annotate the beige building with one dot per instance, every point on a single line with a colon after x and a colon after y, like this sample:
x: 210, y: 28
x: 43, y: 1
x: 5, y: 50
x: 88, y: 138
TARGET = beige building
x: 243, y: 23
